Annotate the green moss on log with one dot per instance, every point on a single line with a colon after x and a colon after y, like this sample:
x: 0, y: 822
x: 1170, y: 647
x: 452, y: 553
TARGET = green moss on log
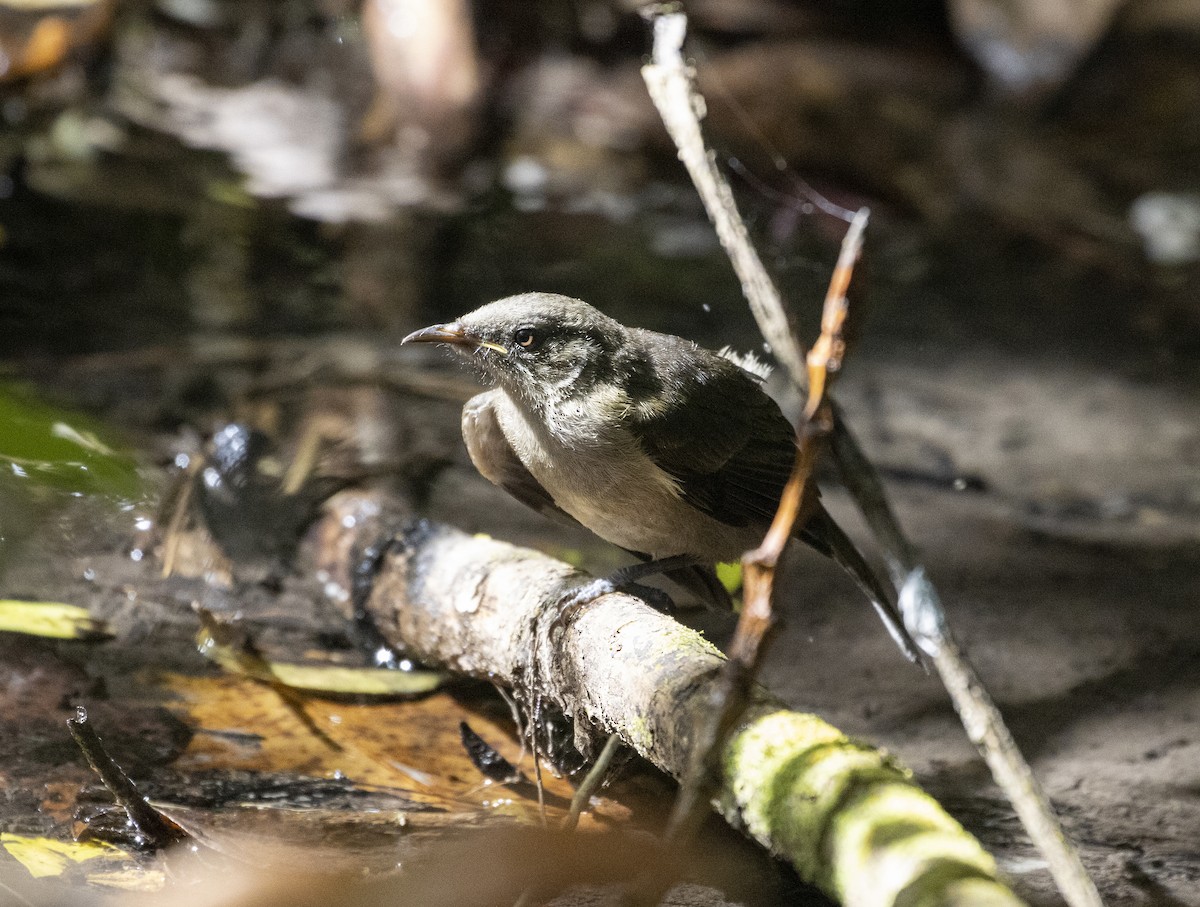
x: 850, y: 819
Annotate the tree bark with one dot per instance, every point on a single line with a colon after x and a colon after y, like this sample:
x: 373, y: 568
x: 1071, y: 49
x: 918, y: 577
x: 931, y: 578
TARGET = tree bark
x: 844, y: 813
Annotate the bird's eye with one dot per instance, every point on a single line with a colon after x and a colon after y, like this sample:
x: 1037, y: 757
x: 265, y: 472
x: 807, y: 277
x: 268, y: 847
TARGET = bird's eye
x: 527, y: 338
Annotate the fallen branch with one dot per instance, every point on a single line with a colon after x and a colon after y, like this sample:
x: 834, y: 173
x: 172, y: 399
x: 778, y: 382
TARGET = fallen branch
x: 845, y: 814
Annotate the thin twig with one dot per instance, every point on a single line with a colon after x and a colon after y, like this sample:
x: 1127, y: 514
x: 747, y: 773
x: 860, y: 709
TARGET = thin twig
x: 757, y: 619
x: 825, y: 358
x: 178, y: 505
x: 537, y: 773
x: 670, y: 84
x: 596, y: 774
x: 152, y: 827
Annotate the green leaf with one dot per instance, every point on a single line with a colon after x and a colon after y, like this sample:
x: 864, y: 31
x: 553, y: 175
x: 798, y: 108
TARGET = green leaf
x: 226, y: 645
x: 730, y: 576
x: 356, y: 681
x: 61, y: 449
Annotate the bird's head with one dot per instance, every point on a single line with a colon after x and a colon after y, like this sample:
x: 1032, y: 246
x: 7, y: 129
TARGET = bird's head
x: 539, y: 347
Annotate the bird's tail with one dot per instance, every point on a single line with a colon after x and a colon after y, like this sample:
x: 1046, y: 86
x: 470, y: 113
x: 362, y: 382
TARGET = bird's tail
x: 824, y: 534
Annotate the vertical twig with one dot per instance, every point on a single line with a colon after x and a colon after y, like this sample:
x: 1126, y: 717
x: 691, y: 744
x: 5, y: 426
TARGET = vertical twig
x: 669, y: 82
x: 177, y: 504
x: 591, y: 782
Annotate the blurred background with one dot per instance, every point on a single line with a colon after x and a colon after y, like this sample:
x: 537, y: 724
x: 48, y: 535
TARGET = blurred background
x: 181, y: 167
x: 205, y: 201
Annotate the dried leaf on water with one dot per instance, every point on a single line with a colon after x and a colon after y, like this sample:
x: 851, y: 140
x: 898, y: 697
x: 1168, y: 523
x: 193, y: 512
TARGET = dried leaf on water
x: 54, y: 620
x: 48, y: 857
x: 96, y: 862
x: 224, y: 645
x: 410, y: 749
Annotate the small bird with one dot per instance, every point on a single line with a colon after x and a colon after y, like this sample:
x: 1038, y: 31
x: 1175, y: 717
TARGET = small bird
x: 669, y: 450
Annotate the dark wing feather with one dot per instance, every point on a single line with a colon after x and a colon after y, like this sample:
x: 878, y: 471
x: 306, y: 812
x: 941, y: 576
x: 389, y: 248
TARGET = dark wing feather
x: 497, y: 462
x: 722, y: 438
x: 731, y: 450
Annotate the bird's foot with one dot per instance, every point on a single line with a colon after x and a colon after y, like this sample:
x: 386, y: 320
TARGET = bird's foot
x: 592, y: 590
x: 655, y: 598
x: 575, y: 599
x: 626, y: 579
x: 585, y: 594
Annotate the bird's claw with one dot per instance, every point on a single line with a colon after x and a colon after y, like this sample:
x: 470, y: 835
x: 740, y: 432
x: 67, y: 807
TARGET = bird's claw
x: 587, y: 593
x: 655, y: 598
x: 593, y: 589
x: 626, y: 580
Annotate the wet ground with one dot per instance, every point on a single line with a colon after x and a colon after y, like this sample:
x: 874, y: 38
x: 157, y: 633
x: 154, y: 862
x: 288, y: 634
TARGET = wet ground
x: 1026, y: 380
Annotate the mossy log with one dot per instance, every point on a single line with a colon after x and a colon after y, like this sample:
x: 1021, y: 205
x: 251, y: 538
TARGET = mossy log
x: 844, y: 813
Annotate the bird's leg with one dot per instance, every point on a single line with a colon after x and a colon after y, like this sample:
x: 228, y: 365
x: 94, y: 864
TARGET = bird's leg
x: 627, y: 579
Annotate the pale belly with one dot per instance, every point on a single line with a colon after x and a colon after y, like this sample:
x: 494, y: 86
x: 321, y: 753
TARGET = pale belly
x: 613, y: 488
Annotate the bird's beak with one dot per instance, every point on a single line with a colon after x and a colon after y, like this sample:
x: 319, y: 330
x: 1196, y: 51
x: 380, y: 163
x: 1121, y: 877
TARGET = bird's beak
x: 452, y: 333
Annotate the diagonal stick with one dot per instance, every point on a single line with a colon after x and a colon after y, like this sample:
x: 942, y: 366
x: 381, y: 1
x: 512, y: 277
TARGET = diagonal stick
x: 757, y: 619
x: 669, y: 82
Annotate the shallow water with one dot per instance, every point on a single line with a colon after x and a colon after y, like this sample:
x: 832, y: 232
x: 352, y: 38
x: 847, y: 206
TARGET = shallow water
x: 1057, y: 386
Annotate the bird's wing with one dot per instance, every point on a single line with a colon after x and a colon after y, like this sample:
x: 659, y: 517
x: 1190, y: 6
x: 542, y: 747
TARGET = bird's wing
x: 720, y: 436
x: 497, y: 462
x: 731, y: 450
